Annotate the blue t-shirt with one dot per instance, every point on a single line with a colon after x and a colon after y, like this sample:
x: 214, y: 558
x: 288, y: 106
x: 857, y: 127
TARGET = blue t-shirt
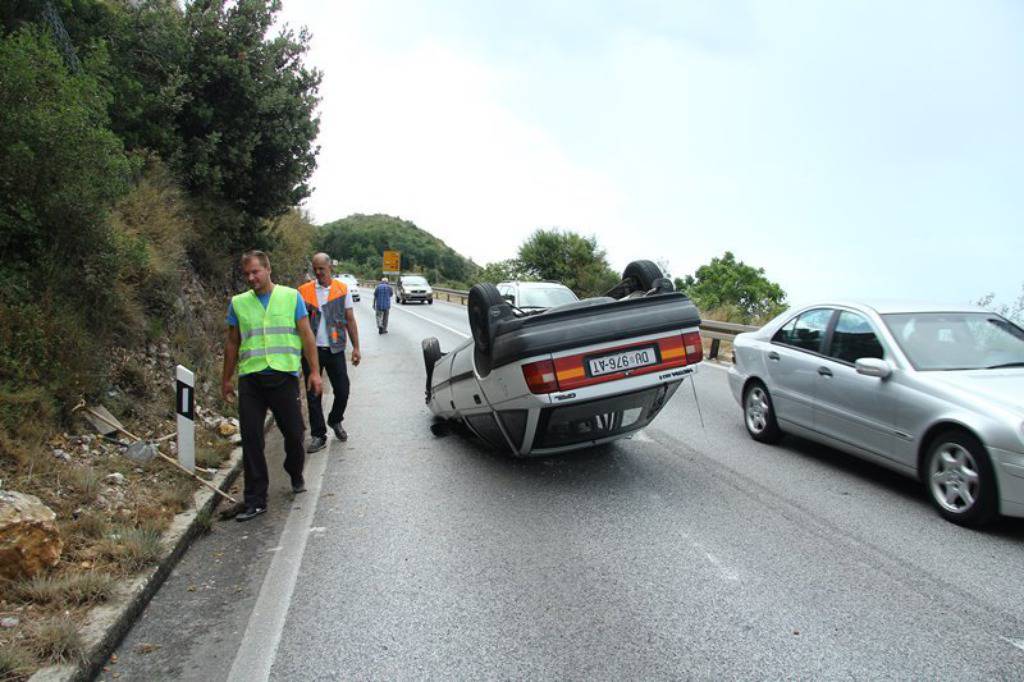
x: 300, y: 312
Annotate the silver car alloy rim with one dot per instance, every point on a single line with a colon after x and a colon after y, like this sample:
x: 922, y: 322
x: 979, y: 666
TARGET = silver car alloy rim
x: 954, y: 478
x: 757, y: 410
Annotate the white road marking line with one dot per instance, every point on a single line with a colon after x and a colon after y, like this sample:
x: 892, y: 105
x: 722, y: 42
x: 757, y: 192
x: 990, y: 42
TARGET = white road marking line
x: 258, y: 649
x: 642, y: 437
x: 723, y: 570
x: 423, y: 317
x: 708, y: 363
x: 1019, y: 643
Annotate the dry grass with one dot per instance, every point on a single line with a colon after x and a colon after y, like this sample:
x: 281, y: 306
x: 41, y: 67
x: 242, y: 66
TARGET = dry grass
x: 77, y: 589
x: 212, y: 456
x: 56, y: 640
x: 178, y: 495
x: 132, y: 548
x: 85, y: 481
x: 15, y: 663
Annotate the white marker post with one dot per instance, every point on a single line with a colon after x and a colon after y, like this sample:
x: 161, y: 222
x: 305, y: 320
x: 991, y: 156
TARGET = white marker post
x: 185, y: 406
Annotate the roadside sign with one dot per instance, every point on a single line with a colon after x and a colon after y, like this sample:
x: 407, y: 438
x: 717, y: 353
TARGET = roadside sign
x: 392, y: 263
x: 185, y: 406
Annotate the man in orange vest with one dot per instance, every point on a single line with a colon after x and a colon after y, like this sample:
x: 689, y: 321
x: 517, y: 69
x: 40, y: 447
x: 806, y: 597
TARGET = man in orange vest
x: 331, y: 316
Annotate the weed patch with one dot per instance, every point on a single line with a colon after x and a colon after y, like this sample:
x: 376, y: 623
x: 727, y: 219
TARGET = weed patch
x: 73, y: 589
x: 56, y: 640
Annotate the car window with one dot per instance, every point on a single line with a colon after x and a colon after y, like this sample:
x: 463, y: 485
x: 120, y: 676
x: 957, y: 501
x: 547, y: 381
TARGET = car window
x: 805, y: 331
x: 953, y: 341
x: 414, y: 281
x: 853, y: 339
x: 547, y: 297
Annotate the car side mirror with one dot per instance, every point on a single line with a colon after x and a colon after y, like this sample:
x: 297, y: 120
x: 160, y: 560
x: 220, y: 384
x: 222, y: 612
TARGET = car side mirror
x: 873, y: 367
x: 510, y: 298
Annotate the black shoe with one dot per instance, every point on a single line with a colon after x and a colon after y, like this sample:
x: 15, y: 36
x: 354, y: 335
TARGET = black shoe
x: 250, y: 513
x: 379, y: 330
x: 298, y: 485
x: 339, y: 432
x: 316, y: 444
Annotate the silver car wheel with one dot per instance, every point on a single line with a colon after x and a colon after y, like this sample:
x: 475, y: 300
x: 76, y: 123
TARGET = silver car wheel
x: 954, y: 478
x: 757, y: 410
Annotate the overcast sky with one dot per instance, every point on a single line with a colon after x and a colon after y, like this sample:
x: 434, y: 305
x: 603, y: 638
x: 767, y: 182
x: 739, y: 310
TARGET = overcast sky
x: 866, y: 149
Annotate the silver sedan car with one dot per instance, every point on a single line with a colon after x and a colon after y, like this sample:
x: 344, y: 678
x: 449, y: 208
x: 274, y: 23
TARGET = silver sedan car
x: 933, y: 392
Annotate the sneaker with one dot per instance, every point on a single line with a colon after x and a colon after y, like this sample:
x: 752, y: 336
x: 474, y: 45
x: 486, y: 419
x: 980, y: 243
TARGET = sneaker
x: 298, y: 485
x: 250, y: 513
x: 339, y: 432
x: 316, y: 444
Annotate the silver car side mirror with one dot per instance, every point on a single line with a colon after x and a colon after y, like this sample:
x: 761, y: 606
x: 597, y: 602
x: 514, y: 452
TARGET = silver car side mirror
x: 873, y: 367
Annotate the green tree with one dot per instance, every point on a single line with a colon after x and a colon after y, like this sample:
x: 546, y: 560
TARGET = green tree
x: 248, y: 121
x: 572, y: 259
x: 503, y: 271
x: 362, y: 239
x: 738, y: 290
x: 60, y: 166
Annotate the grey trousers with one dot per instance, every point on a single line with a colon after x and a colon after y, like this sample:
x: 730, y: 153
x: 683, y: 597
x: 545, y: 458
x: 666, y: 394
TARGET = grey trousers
x: 382, y: 319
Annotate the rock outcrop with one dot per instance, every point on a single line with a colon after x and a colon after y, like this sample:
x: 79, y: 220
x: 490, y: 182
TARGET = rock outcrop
x: 29, y: 539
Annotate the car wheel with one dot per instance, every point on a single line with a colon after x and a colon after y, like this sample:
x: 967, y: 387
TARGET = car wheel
x: 644, y: 273
x: 430, y: 301
x: 482, y: 297
x: 960, y: 479
x: 759, y: 414
x: 431, y: 354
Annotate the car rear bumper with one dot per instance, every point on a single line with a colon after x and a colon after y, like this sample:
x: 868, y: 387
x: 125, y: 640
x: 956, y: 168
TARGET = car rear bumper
x: 555, y: 428
x: 1009, y: 468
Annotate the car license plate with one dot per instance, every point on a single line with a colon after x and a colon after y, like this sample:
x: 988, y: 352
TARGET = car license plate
x: 633, y: 358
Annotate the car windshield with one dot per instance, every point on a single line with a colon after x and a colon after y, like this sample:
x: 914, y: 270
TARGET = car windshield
x: 547, y: 297
x: 417, y: 281
x: 950, y: 341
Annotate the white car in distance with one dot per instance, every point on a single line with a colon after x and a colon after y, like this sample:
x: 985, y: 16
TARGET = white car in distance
x: 352, y: 283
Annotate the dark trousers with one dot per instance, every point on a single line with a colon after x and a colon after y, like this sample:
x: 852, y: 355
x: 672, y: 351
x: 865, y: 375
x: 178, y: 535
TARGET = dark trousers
x: 280, y: 393
x: 337, y: 372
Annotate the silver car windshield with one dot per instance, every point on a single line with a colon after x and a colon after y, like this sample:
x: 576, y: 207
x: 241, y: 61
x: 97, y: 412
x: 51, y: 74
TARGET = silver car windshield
x: 545, y: 298
x: 417, y: 281
x: 951, y: 341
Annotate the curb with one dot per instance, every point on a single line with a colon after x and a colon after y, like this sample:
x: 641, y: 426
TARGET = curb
x: 108, y: 623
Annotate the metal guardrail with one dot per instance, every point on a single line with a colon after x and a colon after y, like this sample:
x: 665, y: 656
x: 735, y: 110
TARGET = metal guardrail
x: 712, y: 329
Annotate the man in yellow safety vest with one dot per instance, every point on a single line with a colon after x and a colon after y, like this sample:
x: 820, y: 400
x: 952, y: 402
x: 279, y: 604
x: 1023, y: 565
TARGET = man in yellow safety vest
x: 268, y: 334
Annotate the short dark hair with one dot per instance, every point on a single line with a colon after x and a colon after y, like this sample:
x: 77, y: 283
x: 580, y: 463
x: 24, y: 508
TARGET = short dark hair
x: 263, y: 258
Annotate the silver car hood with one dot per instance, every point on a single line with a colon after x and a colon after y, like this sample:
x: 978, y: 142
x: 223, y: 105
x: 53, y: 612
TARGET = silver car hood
x: 1002, y: 387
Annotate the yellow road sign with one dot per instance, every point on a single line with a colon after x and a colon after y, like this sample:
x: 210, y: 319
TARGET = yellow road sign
x: 392, y: 261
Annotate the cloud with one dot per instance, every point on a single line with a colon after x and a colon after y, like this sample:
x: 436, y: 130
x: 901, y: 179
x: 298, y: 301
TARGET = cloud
x: 422, y: 133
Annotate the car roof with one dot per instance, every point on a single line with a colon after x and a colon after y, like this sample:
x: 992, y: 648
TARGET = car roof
x: 893, y: 306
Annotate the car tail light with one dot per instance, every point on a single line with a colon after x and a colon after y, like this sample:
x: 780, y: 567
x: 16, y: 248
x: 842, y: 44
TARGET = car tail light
x: 540, y: 376
x: 694, y: 347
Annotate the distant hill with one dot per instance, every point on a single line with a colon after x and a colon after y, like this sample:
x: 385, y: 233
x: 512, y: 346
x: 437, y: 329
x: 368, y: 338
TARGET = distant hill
x: 359, y: 241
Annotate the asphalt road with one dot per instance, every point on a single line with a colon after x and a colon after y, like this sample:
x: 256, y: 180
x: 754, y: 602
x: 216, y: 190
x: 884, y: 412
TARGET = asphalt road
x: 686, y: 552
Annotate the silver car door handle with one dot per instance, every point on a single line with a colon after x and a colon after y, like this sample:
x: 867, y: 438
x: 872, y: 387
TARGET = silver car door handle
x: 773, y: 356
x: 824, y: 371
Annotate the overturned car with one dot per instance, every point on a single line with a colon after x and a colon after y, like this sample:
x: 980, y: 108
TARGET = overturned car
x: 567, y: 377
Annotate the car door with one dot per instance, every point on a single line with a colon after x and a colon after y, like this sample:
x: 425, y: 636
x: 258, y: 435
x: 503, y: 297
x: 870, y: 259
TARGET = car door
x: 853, y: 408
x: 792, y: 360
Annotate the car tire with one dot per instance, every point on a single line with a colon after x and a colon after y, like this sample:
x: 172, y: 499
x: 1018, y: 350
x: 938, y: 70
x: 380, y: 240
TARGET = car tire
x: 482, y: 297
x: 960, y: 480
x: 759, y: 414
x: 644, y: 272
x: 431, y: 354
x: 430, y: 301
